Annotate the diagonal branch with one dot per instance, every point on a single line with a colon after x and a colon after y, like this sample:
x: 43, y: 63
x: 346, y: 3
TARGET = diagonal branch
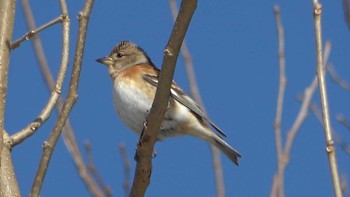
x: 148, y: 137
x: 33, y: 32
x: 69, y: 102
x: 335, y: 76
x: 220, y: 186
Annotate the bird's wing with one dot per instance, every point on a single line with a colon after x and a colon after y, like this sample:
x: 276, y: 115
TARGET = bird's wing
x: 180, y: 96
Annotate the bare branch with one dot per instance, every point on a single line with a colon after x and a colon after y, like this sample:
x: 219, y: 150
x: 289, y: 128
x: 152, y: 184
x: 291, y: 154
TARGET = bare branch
x: 127, y: 167
x: 346, y: 8
x: 32, y: 33
x: 343, y: 121
x: 31, y: 128
x: 7, y: 14
x: 335, y: 76
x: 220, y: 186
x: 69, y: 102
x: 308, y: 94
x: 68, y: 133
x: 91, y: 166
x: 8, y: 181
x: 280, y: 98
x: 149, y: 135
x: 324, y: 100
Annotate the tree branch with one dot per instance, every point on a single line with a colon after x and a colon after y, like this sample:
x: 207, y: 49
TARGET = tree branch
x: 67, y: 133
x: 126, y: 165
x: 219, y: 179
x: 31, y: 128
x: 330, y: 149
x: 7, y: 14
x: 33, y: 32
x: 69, y: 102
x: 154, y: 119
x: 280, y: 98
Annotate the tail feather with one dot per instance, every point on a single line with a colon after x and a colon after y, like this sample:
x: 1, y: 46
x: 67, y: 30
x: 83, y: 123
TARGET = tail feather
x: 231, y: 153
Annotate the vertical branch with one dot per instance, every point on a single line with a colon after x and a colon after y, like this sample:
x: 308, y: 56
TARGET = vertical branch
x: 279, y: 188
x: 153, y: 121
x: 330, y: 149
x: 7, y: 14
x: 8, y: 180
x: 220, y: 186
x: 70, y: 100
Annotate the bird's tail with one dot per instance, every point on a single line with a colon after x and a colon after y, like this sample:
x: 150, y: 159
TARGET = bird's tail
x: 231, y: 153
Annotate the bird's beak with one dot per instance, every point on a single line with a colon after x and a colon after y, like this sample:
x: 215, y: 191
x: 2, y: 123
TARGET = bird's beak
x: 105, y: 60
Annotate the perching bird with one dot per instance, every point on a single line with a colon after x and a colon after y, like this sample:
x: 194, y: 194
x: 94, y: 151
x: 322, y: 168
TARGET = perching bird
x: 135, y: 79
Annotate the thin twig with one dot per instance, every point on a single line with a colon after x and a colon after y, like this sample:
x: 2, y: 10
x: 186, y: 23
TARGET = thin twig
x: 308, y: 94
x: 280, y: 98
x: 127, y: 167
x: 91, y: 166
x: 324, y: 100
x: 346, y: 8
x: 68, y: 133
x: 32, y: 33
x: 220, y: 186
x: 341, y: 118
x: 153, y: 121
x: 344, y: 185
x: 69, y: 102
x: 335, y: 76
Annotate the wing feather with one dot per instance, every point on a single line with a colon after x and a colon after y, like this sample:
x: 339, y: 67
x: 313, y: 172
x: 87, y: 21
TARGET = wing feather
x: 180, y: 96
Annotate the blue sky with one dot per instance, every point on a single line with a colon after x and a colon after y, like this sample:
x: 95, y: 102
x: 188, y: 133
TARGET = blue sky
x: 234, y: 49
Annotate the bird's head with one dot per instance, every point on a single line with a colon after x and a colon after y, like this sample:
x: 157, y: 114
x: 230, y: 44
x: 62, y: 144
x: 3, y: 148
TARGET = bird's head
x: 124, y: 55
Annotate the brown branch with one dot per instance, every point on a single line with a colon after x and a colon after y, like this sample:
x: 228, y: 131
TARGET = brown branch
x: 33, y: 32
x: 220, y: 186
x: 279, y: 189
x: 153, y: 121
x: 91, y: 166
x: 324, y: 100
x: 68, y: 133
x: 346, y: 8
x: 127, y: 167
x: 335, y: 77
x: 69, y: 102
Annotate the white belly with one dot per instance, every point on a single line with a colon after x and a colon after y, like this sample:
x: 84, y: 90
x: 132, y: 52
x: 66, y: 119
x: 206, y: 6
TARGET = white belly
x: 131, y: 105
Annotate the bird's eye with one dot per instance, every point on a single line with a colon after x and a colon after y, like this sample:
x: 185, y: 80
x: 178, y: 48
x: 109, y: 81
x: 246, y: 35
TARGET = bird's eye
x: 120, y: 54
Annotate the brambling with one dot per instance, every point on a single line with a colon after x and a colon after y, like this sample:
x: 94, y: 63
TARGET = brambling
x: 135, y: 79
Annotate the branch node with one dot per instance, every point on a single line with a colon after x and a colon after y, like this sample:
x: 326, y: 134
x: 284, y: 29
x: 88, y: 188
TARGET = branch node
x: 168, y: 52
x: 318, y: 9
x: 330, y: 146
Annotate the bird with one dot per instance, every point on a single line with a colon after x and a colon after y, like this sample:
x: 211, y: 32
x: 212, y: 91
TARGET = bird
x: 135, y: 79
